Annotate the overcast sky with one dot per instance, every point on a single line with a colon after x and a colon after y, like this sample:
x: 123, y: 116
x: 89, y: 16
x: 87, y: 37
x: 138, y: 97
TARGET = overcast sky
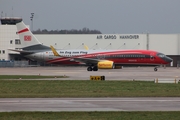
x: 108, y: 16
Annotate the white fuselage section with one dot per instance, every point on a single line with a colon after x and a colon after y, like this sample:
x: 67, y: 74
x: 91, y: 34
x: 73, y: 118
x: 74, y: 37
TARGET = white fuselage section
x: 48, y: 55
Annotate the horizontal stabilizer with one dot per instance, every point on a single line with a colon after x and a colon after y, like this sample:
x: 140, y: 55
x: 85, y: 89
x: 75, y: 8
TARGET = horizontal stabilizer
x: 22, y: 51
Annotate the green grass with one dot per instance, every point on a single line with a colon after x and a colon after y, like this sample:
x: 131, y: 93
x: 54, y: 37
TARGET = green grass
x: 90, y: 115
x: 2, y: 77
x: 77, y: 88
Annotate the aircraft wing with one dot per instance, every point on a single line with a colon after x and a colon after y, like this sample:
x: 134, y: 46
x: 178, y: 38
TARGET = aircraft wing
x: 86, y: 47
x: 87, y: 60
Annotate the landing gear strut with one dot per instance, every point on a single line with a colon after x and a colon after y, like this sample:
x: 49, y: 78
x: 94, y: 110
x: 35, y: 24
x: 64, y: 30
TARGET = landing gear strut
x: 92, y: 68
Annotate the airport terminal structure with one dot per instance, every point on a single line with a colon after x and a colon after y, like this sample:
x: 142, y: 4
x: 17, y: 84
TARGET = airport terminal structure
x: 168, y: 44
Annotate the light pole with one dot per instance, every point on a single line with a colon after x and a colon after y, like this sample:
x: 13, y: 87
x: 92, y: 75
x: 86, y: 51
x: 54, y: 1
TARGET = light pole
x: 31, y: 18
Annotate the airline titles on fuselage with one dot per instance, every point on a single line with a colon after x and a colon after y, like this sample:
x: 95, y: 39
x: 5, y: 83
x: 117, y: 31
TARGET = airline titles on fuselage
x: 116, y: 37
x: 73, y: 52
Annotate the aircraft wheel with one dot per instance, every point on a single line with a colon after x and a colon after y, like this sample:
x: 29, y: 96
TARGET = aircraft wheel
x: 113, y: 67
x: 95, y: 68
x: 89, y: 68
x: 155, y: 69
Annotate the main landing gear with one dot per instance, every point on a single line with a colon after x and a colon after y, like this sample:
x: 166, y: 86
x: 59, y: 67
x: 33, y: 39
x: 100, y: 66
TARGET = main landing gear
x: 92, y: 68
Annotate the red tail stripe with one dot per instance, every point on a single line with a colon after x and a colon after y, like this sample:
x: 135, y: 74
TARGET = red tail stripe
x: 24, y: 30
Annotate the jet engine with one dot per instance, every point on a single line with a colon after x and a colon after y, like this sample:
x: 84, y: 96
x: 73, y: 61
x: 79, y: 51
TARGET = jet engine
x: 106, y: 65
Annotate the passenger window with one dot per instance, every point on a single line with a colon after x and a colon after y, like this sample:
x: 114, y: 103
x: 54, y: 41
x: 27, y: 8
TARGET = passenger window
x: 11, y: 41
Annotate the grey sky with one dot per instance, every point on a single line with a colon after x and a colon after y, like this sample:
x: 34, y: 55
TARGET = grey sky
x: 108, y: 16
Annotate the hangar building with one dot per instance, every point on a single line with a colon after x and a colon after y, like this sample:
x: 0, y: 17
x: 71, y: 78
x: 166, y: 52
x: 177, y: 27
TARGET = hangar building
x: 168, y: 44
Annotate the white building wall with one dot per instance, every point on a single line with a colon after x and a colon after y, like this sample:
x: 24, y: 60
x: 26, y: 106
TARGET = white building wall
x: 7, y: 40
x: 110, y: 41
x: 165, y: 43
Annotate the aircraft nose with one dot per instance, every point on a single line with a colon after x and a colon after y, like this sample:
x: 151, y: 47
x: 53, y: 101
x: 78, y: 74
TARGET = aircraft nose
x: 168, y: 59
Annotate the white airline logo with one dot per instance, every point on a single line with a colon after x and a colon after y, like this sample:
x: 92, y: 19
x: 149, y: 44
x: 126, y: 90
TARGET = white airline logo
x: 27, y: 38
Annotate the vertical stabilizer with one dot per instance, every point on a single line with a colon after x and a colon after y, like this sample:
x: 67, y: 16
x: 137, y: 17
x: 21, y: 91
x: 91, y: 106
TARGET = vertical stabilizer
x: 26, y: 37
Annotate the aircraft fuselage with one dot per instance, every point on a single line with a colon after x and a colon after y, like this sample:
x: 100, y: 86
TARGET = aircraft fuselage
x: 121, y: 57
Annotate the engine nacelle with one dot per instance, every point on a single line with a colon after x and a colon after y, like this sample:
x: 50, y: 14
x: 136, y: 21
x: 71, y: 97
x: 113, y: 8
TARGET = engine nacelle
x: 106, y: 65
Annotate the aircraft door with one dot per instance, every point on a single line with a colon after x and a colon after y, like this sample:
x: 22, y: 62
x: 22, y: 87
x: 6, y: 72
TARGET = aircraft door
x: 42, y: 56
x: 151, y: 56
x: 141, y: 58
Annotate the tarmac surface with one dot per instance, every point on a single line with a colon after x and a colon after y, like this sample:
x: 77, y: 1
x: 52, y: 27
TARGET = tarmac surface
x: 80, y: 73
x: 93, y: 104
x: 89, y: 104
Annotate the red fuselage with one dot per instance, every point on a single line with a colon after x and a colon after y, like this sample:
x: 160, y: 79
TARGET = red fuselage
x: 119, y: 57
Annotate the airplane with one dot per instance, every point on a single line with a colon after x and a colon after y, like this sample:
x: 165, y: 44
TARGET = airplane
x: 94, y: 59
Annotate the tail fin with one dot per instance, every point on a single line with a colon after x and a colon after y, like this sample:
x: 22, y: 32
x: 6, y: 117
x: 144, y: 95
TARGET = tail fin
x: 28, y: 40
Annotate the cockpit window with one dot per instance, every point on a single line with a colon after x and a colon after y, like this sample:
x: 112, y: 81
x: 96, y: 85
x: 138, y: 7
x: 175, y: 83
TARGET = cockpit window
x: 160, y: 55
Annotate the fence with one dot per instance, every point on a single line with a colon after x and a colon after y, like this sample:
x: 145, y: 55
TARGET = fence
x: 14, y: 63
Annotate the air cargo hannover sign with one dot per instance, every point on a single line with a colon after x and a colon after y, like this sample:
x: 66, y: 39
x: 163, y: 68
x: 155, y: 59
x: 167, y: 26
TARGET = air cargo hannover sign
x: 117, y: 36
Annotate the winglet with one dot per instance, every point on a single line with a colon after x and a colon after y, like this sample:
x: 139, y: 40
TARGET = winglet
x: 54, y: 51
x: 86, y: 47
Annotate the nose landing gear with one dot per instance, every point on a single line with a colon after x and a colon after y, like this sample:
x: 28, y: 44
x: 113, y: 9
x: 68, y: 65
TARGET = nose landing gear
x: 155, y: 69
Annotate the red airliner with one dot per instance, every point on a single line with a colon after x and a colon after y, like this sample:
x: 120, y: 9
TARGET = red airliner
x: 109, y: 59
x: 94, y: 59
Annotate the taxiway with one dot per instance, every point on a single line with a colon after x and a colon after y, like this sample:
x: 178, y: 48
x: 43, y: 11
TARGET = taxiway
x: 80, y: 73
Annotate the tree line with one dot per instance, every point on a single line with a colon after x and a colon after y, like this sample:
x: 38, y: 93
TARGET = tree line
x: 72, y: 31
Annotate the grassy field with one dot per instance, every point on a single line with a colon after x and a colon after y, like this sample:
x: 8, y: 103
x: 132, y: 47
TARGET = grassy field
x: 77, y: 88
x: 90, y: 116
x: 71, y: 88
x: 2, y: 77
